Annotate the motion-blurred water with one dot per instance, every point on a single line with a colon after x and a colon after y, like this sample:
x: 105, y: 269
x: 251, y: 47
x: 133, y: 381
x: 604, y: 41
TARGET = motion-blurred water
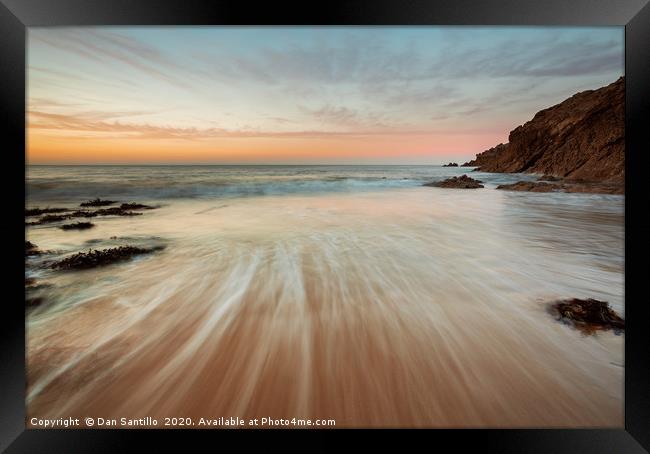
x: 351, y: 293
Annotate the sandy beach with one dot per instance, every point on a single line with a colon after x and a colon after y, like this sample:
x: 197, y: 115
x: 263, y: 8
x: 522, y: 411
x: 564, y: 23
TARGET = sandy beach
x: 393, y: 307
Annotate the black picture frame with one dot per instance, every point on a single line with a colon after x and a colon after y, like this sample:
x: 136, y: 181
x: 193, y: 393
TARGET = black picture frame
x: 634, y: 15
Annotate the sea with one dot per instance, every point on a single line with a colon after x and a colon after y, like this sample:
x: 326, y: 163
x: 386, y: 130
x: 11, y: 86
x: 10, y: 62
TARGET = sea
x: 351, y: 293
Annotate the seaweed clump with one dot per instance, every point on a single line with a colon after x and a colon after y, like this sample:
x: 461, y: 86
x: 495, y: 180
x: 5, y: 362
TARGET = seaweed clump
x: 96, y: 258
x: 588, y: 315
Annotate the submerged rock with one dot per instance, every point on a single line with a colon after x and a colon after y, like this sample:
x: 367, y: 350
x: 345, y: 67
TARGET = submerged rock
x: 96, y: 258
x: 462, y: 182
x: 48, y: 218
x: 588, y: 315
x: 566, y: 186
x: 31, y: 249
x: 122, y: 210
x: 115, y: 211
x: 40, y: 211
x: 33, y: 301
x: 135, y: 206
x: 77, y: 226
x: 549, y: 178
x: 97, y: 203
x: 531, y: 186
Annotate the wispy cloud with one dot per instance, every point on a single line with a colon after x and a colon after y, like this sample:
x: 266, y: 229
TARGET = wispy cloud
x: 118, y: 129
x: 105, y: 47
x: 198, y: 84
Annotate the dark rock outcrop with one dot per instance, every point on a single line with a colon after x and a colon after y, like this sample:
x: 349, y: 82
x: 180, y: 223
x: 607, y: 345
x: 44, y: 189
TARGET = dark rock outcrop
x: 582, y: 138
x: 462, y: 182
x: 83, y: 214
x: 48, y: 218
x: 451, y: 164
x: 77, y: 226
x: 531, y: 186
x: 96, y: 258
x: 138, y: 206
x: 115, y: 211
x: 549, y: 178
x: 576, y: 186
x: 40, y: 211
x: 31, y: 249
x: 97, y: 203
x: 588, y: 315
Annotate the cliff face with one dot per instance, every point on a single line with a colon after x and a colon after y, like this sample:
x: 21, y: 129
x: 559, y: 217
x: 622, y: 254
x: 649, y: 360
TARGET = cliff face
x: 582, y: 138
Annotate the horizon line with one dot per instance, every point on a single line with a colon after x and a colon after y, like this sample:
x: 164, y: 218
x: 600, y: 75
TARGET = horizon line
x: 229, y: 165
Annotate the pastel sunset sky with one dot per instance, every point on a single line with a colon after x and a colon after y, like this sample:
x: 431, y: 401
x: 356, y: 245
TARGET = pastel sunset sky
x: 330, y: 95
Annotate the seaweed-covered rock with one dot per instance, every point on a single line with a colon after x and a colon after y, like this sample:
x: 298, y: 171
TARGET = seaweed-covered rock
x: 40, y: 211
x: 33, y: 301
x: 97, y: 203
x: 589, y: 187
x: 31, y: 249
x: 115, y: 211
x: 462, y: 182
x: 48, y: 218
x: 83, y: 214
x: 588, y: 315
x: 135, y: 206
x: 96, y: 258
x: 77, y: 226
x: 531, y: 186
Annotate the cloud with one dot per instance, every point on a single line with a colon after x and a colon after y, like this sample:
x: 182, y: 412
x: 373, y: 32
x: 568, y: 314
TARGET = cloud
x: 338, y: 81
x: 105, y: 47
x: 89, y: 123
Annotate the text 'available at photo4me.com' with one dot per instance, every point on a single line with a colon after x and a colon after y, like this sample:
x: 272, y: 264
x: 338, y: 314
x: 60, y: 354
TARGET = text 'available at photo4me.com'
x: 229, y: 422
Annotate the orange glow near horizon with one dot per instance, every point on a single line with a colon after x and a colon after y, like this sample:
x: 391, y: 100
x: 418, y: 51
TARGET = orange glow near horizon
x: 43, y: 148
x: 292, y: 95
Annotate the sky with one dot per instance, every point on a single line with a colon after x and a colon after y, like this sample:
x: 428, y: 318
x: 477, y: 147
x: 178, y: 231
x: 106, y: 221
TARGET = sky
x: 299, y: 95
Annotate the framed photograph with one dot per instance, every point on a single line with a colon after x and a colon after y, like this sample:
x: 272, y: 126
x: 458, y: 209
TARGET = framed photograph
x: 366, y: 215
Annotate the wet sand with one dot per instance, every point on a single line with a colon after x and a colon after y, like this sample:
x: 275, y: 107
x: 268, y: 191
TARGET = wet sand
x: 409, y: 307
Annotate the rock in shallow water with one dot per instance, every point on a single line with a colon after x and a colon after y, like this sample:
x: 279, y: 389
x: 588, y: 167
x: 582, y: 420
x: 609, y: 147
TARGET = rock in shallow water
x: 462, y: 182
x: 588, y: 315
x: 39, y: 211
x: 96, y: 258
x: 135, y: 206
x: 565, y: 186
x: 77, y: 226
x: 531, y: 186
x: 97, y: 203
x: 31, y: 249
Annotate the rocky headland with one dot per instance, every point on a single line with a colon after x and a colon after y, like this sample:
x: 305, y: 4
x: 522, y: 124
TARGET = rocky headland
x: 580, y: 142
